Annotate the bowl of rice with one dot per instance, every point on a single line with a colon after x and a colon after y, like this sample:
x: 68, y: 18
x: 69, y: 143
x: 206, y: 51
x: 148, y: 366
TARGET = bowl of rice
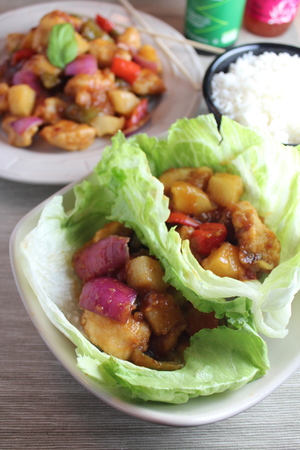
x: 257, y: 85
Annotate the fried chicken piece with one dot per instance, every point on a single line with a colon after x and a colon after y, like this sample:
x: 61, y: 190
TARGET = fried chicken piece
x: 115, y: 338
x: 259, y: 248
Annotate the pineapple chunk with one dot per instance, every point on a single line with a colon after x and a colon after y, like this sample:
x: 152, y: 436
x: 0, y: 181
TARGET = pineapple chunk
x: 225, y: 188
x: 107, y: 124
x: 197, y: 176
x: 83, y: 45
x: 189, y: 199
x: 21, y: 100
x: 145, y: 274
x: 170, y: 176
x: 123, y: 101
x: 224, y: 262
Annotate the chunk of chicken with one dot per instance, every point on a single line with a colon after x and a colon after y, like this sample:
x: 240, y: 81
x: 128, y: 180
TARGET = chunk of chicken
x: 131, y: 38
x: 116, y: 339
x: 259, y: 249
x: 103, y: 50
x: 90, y: 90
x: 148, y: 83
x: 41, y: 67
x: 69, y: 135
x: 13, y: 42
x: 51, y: 110
x: 15, y: 139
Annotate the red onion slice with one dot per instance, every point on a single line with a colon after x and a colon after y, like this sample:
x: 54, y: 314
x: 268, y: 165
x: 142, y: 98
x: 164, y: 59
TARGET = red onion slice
x: 105, y: 257
x: 108, y: 297
x: 145, y: 63
x: 23, y: 124
x: 28, y: 77
x: 83, y: 64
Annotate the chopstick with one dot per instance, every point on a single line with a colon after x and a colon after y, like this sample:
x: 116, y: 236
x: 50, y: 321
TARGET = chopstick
x: 162, y: 45
x: 183, y: 41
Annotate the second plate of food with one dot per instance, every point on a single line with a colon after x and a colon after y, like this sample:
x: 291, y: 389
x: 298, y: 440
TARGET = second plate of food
x: 42, y: 163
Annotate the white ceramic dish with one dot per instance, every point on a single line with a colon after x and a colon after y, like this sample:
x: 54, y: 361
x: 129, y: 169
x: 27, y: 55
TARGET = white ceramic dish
x: 43, y: 164
x: 284, y: 355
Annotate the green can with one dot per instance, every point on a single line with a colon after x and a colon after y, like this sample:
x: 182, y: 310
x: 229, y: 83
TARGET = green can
x: 214, y: 22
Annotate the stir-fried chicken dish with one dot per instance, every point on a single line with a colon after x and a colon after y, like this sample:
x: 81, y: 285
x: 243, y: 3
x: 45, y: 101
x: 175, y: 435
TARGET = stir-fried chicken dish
x: 72, y: 79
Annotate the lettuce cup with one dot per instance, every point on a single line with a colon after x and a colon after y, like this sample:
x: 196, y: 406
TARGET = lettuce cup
x: 124, y: 187
x: 270, y: 176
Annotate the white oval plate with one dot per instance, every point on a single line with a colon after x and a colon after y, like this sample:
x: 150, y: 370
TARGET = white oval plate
x: 44, y: 164
x: 284, y: 354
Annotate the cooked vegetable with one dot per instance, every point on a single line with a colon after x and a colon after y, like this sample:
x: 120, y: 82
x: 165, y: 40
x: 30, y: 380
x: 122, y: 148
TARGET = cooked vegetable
x: 27, y: 77
x: 105, y: 24
x: 82, y: 64
x: 177, y: 217
x: 21, y: 100
x: 108, y: 297
x: 207, y: 237
x: 23, y: 124
x: 128, y: 70
x: 101, y: 258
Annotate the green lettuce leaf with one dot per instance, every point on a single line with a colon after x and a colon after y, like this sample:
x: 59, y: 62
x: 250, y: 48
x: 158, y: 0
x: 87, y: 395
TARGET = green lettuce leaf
x: 270, y: 172
x: 217, y: 360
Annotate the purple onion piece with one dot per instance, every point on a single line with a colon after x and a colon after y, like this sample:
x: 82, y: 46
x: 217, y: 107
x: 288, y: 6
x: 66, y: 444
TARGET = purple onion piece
x: 28, y: 77
x: 24, y: 123
x: 105, y: 257
x: 108, y: 297
x: 83, y: 64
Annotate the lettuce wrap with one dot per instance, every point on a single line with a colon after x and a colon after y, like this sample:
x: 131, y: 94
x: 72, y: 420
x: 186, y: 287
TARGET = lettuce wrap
x: 124, y: 188
x: 271, y: 175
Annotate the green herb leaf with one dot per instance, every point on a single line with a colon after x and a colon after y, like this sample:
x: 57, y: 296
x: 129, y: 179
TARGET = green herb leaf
x: 62, y: 47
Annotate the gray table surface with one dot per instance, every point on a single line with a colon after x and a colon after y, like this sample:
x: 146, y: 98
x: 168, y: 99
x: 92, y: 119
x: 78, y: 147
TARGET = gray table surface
x: 43, y: 407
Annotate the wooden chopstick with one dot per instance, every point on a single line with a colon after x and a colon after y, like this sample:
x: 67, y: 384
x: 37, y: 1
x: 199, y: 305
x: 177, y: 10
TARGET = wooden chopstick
x: 179, y: 40
x: 159, y: 41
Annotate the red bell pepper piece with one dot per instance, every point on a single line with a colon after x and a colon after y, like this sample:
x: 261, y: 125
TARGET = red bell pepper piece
x: 128, y: 70
x: 207, y: 237
x: 105, y: 24
x: 25, y: 53
x: 179, y: 218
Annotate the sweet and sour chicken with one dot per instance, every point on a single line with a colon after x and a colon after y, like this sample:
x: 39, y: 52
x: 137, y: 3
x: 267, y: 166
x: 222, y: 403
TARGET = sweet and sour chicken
x: 103, y: 87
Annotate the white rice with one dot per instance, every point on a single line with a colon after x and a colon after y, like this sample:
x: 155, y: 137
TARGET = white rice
x: 262, y: 91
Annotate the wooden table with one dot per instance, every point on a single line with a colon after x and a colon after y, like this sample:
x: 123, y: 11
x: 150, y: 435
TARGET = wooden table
x: 43, y: 407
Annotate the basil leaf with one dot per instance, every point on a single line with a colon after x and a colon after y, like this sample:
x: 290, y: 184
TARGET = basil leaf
x: 62, y: 47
